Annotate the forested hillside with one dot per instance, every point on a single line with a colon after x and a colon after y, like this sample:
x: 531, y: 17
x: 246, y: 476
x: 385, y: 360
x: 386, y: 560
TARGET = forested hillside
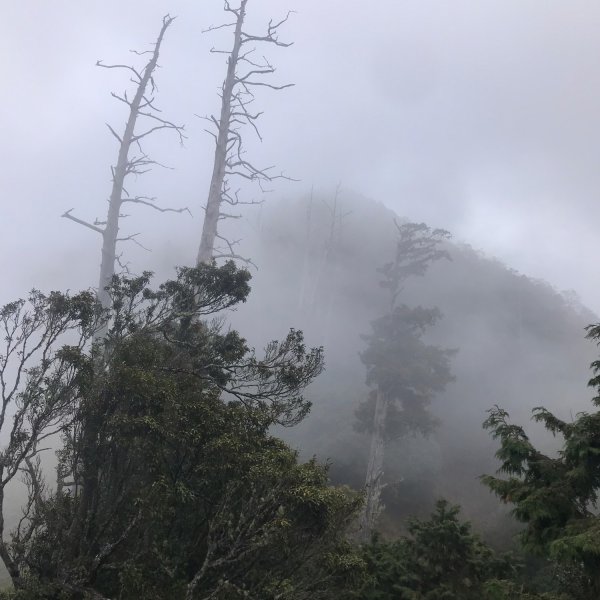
x: 265, y: 395
x: 521, y: 343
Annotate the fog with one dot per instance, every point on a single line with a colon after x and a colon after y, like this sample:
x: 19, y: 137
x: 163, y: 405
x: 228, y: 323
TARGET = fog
x: 479, y: 118
x: 520, y: 344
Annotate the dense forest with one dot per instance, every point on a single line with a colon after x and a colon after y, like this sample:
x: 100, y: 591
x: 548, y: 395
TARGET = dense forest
x: 327, y: 399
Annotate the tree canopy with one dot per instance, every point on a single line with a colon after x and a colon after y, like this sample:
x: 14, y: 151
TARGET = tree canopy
x: 555, y: 496
x: 169, y: 483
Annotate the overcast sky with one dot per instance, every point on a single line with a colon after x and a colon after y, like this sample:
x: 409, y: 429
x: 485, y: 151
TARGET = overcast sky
x: 482, y: 117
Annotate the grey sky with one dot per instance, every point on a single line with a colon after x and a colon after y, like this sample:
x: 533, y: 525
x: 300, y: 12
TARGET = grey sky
x: 478, y: 116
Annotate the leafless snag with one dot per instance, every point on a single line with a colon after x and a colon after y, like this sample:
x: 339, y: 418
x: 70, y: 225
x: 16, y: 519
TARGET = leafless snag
x: 244, y: 73
x: 142, y: 109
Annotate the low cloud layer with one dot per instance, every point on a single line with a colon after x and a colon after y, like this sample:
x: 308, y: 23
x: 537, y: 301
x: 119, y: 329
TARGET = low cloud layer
x: 478, y: 117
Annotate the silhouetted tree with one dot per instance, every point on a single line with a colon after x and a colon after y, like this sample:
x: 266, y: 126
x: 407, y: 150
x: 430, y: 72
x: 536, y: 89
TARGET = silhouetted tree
x: 404, y: 371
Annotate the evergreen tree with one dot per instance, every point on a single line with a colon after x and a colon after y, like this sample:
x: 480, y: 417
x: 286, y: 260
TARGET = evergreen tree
x: 556, y: 496
x: 404, y: 371
x: 440, y: 559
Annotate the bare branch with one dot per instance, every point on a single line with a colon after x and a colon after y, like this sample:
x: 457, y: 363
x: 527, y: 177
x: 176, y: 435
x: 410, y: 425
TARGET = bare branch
x: 140, y: 104
x: 141, y: 52
x: 68, y: 215
x: 234, y: 256
x: 217, y: 27
x: 236, y: 96
x: 224, y: 215
x: 164, y: 124
x: 215, y: 51
x: 133, y: 238
x: 123, y: 265
x: 269, y: 85
x: 99, y: 63
x: 265, y: 71
x: 122, y: 98
x: 147, y: 201
x: 114, y: 133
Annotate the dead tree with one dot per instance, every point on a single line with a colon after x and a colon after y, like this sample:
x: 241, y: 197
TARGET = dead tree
x: 131, y: 159
x: 245, y: 73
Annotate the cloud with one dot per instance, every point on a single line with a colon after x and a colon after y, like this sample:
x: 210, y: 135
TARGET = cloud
x: 478, y: 117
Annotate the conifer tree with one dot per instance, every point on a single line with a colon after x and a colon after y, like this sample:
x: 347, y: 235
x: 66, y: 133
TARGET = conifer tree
x: 555, y: 496
x: 405, y: 372
x: 442, y: 559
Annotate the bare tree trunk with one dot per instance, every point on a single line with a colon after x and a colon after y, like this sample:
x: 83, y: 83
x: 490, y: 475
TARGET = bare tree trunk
x: 230, y: 161
x: 326, y: 277
x: 120, y: 171
x: 142, y: 105
x: 213, y: 205
x: 374, y: 484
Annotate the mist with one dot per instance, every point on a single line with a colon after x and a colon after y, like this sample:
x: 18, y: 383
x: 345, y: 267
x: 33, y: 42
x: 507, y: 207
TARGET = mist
x: 478, y: 119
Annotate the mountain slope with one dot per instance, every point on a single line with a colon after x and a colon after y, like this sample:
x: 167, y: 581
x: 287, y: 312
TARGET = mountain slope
x: 520, y: 344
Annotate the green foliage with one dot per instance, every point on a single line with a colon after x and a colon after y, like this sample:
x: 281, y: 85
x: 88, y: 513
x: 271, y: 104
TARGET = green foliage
x: 440, y: 559
x: 495, y: 589
x: 408, y: 371
x: 417, y: 246
x: 170, y: 485
x: 555, y: 496
x: 399, y: 363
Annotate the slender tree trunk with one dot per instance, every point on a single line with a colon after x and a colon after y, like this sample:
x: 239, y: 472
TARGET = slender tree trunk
x: 123, y: 167
x: 213, y: 205
x: 416, y: 247
x: 373, y: 483
x: 142, y: 105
